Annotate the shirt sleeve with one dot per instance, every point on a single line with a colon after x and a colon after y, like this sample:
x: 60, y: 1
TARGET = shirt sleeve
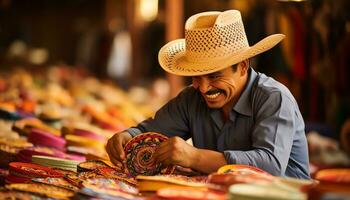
x: 171, y: 120
x: 272, y: 135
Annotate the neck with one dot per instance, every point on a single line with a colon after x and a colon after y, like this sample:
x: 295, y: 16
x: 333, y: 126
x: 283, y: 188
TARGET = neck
x: 227, y: 109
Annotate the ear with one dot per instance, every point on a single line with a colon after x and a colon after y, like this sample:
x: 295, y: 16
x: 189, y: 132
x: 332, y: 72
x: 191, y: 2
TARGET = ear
x: 244, y: 65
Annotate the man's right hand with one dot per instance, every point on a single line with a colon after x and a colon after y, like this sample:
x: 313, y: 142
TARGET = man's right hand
x: 115, y: 147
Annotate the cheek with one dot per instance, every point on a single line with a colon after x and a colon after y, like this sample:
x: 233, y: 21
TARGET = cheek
x: 226, y: 85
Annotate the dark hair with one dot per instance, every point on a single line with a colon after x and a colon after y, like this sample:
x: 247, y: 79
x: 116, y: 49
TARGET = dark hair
x: 234, y: 67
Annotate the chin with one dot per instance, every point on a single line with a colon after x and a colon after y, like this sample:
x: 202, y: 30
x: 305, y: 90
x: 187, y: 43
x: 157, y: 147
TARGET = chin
x: 214, y: 105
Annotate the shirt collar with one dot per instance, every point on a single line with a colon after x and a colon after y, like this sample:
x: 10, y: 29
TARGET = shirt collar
x: 243, y: 105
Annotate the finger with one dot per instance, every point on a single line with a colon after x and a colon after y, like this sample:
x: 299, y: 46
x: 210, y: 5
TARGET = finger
x: 119, y: 150
x: 163, y: 144
x: 117, y: 163
x: 112, y: 159
x: 110, y: 149
x: 165, y: 159
x: 113, y: 148
x: 161, y: 157
x: 107, y: 150
x: 168, y: 162
x: 161, y: 150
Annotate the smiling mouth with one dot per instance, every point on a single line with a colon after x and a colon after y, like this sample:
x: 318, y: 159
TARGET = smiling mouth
x: 213, y: 94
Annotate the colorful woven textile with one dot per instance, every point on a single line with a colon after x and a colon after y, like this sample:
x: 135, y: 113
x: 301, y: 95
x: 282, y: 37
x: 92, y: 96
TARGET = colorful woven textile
x: 139, y: 152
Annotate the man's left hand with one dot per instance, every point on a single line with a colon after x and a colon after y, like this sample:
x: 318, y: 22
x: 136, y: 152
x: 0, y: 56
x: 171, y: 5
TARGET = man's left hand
x: 176, y: 151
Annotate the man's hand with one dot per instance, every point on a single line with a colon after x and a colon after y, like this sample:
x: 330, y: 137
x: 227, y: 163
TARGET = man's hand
x: 115, y: 147
x: 175, y: 151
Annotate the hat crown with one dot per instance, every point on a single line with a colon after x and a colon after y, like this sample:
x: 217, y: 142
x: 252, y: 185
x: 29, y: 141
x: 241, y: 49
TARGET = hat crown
x: 211, y: 35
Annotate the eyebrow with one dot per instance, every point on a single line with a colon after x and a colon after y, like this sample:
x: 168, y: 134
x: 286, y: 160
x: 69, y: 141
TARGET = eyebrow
x: 214, y: 74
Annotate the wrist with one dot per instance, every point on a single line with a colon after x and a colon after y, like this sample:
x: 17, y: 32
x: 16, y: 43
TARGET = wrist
x: 196, y: 158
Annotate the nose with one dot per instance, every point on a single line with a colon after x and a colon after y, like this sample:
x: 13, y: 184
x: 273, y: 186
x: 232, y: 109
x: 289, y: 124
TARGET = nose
x: 204, y: 85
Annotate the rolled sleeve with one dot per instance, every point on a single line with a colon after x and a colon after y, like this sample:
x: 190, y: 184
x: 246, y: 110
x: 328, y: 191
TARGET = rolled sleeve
x: 133, y: 131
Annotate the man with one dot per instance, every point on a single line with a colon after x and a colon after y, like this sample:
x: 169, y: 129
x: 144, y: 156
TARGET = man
x: 233, y: 114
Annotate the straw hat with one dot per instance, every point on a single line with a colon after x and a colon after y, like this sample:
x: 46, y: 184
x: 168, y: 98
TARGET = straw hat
x: 213, y: 41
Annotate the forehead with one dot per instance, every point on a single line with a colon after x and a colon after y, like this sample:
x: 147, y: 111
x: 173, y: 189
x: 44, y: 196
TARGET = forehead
x: 221, y: 72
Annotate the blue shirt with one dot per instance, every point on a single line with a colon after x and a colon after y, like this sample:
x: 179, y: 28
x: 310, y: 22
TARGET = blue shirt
x: 265, y: 127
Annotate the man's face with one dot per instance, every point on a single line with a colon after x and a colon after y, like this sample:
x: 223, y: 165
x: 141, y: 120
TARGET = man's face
x: 221, y: 88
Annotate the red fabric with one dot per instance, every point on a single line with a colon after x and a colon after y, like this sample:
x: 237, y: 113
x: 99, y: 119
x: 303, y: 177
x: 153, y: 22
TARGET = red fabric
x: 298, y: 68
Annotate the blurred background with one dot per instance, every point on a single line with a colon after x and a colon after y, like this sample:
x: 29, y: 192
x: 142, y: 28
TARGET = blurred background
x: 117, y: 42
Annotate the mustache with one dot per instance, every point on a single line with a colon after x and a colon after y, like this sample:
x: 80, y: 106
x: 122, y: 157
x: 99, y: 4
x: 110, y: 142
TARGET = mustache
x: 210, y: 92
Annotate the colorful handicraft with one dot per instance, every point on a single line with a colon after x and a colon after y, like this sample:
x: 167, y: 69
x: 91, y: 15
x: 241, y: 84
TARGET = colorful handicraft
x: 194, y: 181
x: 233, y: 174
x: 59, y: 182
x: 155, y: 183
x: 139, y: 152
x: 109, y: 185
x: 190, y: 194
x: 42, y: 189
x: 91, y: 165
x: 241, y: 169
x: 336, y: 180
x: 340, y: 175
x: 29, y: 170
x: 7, y: 194
x: 115, y: 174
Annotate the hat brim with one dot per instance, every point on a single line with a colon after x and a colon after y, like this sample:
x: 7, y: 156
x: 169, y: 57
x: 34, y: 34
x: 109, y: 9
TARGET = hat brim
x: 172, y: 57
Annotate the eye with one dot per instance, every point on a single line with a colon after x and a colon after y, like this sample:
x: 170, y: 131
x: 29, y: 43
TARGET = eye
x: 213, y: 76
